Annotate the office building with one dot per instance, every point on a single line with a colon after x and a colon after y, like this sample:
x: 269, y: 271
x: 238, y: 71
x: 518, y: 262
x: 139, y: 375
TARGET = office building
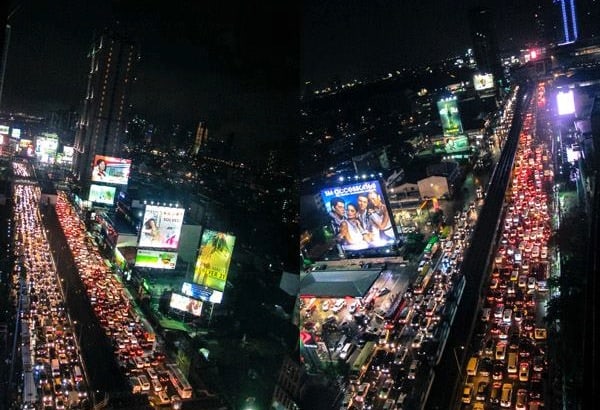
x: 201, y: 138
x: 568, y: 18
x: 105, y: 107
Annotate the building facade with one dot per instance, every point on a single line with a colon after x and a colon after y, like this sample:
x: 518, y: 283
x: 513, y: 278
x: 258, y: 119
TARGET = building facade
x: 106, y: 104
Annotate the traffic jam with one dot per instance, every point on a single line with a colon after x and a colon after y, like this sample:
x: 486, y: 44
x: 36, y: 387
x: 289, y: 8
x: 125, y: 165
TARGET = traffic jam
x: 54, y: 374
x: 392, y: 338
x: 52, y: 367
x: 133, y: 340
x: 509, y: 369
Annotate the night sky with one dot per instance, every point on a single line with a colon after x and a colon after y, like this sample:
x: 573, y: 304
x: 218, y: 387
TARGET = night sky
x: 229, y: 63
x: 235, y: 64
x: 349, y: 38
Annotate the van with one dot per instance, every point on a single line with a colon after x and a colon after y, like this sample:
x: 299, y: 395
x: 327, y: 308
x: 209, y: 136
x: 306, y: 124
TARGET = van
x: 144, y: 382
x: 346, y: 351
x: 512, y: 364
x: 472, y: 366
x: 77, y: 373
x: 506, y: 397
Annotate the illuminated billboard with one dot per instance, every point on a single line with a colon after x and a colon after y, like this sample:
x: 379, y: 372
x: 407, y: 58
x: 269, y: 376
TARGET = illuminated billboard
x: 46, y: 146
x: 111, y: 170
x: 359, y: 216
x: 214, y: 257
x: 449, y: 116
x: 483, y: 81
x: 161, y: 227
x: 102, y: 194
x: 146, y: 258
x: 565, y: 102
x: 185, y: 304
x: 201, y: 292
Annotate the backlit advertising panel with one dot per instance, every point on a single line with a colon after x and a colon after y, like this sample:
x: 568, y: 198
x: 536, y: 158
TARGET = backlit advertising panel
x: 359, y: 216
x: 565, y: 102
x: 161, y: 227
x: 186, y: 304
x: 214, y: 257
x: 483, y: 81
x: 46, y: 146
x: 102, y: 194
x: 111, y: 170
x: 201, y: 292
x: 146, y: 258
x: 449, y: 116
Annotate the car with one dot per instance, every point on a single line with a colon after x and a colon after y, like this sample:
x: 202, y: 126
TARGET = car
x: 485, y: 366
x: 353, y: 306
x: 412, y: 371
x: 521, y: 401
x: 481, y: 391
x: 467, y: 393
x: 523, y: 371
x: 383, y: 291
x: 162, y: 397
x: 538, y: 364
x: 325, y: 305
x: 498, y: 371
x: 494, y: 395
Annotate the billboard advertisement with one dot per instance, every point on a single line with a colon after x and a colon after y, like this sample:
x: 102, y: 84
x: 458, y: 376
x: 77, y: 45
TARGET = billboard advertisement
x: 161, y: 227
x: 483, y: 81
x: 359, y: 216
x: 196, y: 291
x: 146, y: 258
x: 214, y: 257
x: 46, y: 147
x: 449, y: 116
x: 111, y: 170
x: 102, y: 194
x: 185, y: 304
x: 565, y: 102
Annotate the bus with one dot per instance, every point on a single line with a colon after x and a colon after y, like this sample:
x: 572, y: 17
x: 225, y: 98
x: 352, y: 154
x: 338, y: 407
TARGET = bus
x: 422, y: 280
x: 179, y: 381
x: 394, y: 311
x: 361, y: 363
x: 431, y: 247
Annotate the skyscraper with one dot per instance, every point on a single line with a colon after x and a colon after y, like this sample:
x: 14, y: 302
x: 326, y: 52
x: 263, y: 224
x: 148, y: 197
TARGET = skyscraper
x: 201, y: 138
x: 569, y: 20
x: 105, y: 107
x: 485, y: 45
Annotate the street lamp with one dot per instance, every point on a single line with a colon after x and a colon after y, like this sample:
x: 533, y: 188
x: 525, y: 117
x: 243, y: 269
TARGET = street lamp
x: 458, y: 366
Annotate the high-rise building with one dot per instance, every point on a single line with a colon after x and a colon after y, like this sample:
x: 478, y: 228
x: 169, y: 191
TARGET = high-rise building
x: 568, y: 18
x: 485, y: 44
x: 201, y: 138
x: 103, y: 121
